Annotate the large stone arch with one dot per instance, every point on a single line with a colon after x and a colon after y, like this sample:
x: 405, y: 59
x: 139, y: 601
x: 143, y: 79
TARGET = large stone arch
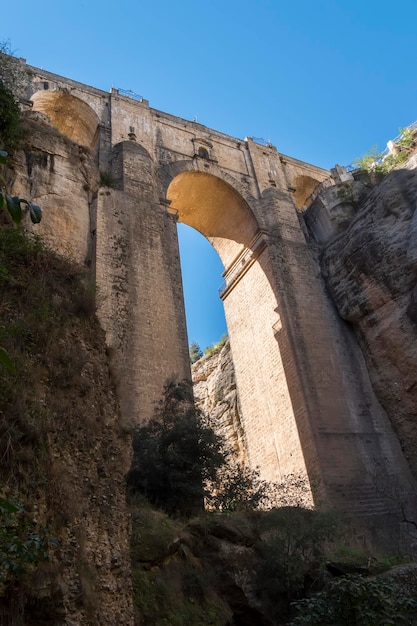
x: 214, y: 207
x: 291, y: 378
x: 216, y: 210
x: 168, y: 172
x: 72, y: 116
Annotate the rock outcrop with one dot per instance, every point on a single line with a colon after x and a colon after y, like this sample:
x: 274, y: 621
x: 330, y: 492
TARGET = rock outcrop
x: 240, y: 569
x: 371, y: 274
x: 216, y: 395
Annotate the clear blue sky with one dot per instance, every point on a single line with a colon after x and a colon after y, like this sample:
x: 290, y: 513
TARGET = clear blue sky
x: 323, y: 80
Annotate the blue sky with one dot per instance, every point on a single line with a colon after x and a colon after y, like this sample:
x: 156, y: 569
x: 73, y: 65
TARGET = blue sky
x: 324, y: 81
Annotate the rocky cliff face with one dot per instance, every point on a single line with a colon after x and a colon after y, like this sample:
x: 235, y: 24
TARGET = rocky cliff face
x: 371, y: 274
x: 64, y: 453
x: 216, y: 395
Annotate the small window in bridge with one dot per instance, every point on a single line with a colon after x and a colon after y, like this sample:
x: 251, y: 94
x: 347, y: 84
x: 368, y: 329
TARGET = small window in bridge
x: 203, y: 153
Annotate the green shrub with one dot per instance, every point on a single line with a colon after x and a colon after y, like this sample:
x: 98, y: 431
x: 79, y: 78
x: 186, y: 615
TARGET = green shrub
x: 237, y: 488
x: 292, y: 547
x: 106, y: 179
x: 22, y: 543
x: 374, y: 162
x: 164, y: 601
x: 353, y: 600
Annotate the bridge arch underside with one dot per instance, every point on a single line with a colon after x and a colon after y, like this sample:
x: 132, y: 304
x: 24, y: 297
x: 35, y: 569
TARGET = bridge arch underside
x: 218, y: 211
x: 304, y: 187
x: 63, y: 176
x: 73, y: 117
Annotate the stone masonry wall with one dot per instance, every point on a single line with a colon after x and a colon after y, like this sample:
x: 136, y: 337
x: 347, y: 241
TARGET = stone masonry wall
x: 139, y: 278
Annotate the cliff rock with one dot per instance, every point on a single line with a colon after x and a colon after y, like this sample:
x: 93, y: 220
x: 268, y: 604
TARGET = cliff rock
x: 64, y: 453
x: 371, y: 274
x: 216, y: 395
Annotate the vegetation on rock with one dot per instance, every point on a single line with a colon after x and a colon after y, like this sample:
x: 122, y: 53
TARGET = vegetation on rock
x: 379, y: 163
x: 9, y: 118
x: 215, y: 348
x: 293, y: 548
x: 61, y: 446
x: 22, y: 544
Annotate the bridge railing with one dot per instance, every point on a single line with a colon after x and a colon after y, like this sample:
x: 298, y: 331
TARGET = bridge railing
x: 129, y: 94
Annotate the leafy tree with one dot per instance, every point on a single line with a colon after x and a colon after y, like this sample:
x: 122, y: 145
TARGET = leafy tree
x: 195, y: 352
x: 175, y: 454
x: 180, y: 463
x: 369, y: 161
x: 236, y: 487
x: 12, y: 86
x: 9, y: 117
x: 378, y: 163
x: 14, y: 207
x: 12, y: 72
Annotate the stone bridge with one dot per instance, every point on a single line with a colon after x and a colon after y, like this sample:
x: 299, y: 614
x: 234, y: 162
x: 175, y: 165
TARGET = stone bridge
x: 307, y: 404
